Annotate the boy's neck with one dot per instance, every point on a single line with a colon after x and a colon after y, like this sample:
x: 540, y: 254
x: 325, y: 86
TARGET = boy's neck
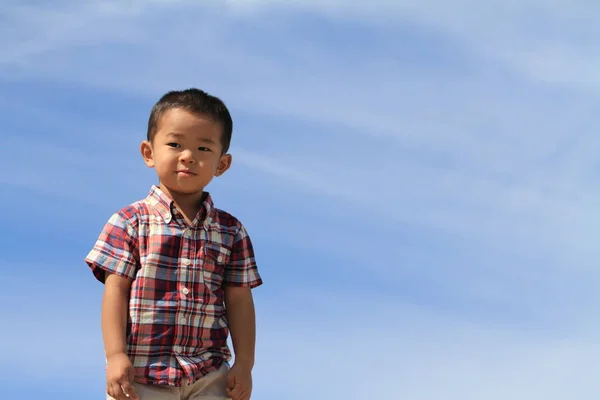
x: 188, y: 203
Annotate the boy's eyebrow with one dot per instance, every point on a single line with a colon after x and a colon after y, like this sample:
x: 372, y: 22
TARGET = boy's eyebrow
x: 202, y: 139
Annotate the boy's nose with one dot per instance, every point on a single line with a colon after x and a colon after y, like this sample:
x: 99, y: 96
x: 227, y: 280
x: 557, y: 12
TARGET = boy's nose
x: 187, y: 157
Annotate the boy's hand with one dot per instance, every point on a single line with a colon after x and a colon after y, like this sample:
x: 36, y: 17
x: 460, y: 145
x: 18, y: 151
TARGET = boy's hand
x: 119, y: 378
x: 239, y: 382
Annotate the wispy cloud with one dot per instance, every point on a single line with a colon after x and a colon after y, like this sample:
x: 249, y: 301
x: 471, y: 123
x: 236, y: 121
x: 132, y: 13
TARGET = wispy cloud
x: 353, y: 349
x: 546, y: 42
x: 418, y: 146
x: 447, y: 153
x: 409, y: 361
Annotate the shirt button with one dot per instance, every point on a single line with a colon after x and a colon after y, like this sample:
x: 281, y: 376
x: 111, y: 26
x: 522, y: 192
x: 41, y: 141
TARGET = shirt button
x: 177, y: 349
x: 185, y: 290
x: 182, y: 320
x: 220, y: 259
x: 187, y: 233
x: 186, y: 261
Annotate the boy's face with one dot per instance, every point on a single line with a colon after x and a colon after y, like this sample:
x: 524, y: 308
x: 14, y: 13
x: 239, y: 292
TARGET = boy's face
x: 186, y: 151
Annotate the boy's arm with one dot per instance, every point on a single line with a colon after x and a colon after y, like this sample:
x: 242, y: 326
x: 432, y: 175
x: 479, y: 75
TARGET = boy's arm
x: 114, y: 260
x: 114, y: 314
x: 241, y: 275
x: 242, y: 324
x: 115, y: 307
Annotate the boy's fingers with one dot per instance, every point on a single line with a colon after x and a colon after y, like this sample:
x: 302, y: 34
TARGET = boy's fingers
x: 230, y: 380
x: 129, y: 391
x: 242, y: 396
x: 246, y: 395
x: 115, y: 391
x: 235, y: 393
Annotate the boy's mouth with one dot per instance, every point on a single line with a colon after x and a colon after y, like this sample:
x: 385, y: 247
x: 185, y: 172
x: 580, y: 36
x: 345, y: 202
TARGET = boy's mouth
x: 186, y: 172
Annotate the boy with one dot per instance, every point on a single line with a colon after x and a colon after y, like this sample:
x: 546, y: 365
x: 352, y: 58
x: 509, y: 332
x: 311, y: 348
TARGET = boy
x: 177, y: 271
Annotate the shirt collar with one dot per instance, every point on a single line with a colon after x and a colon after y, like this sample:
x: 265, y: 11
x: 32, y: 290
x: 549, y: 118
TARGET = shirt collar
x: 164, y: 205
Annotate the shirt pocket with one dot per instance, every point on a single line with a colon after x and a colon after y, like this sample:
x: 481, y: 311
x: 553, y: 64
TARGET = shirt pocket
x: 215, y: 261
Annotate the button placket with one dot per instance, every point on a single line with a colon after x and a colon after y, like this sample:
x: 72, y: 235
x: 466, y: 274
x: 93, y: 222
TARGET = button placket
x: 184, y: 274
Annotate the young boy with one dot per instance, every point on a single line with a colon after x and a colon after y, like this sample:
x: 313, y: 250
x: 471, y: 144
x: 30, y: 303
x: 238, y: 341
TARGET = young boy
x: 177, y: 271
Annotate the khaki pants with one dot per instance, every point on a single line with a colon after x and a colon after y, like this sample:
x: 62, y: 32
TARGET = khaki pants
x: 210, y: 387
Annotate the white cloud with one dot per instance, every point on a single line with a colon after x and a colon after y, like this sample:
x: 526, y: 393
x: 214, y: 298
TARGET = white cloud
x: 493, y: 164
x: 377, y: 347
x: 544, y: 41
x: 53, y: 322
x: 413, y: 365
x: 501, y: 168
x: 332, y: 346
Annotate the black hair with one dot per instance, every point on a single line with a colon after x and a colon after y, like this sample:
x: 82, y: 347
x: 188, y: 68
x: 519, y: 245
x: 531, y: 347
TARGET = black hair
x: 197, y: 102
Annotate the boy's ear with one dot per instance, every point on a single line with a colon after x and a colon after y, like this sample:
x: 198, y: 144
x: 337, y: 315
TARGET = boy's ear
x: 224, y: 164
x: 146, y: 150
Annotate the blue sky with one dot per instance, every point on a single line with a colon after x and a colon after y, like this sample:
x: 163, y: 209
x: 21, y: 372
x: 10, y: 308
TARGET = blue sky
x: 419, y: 180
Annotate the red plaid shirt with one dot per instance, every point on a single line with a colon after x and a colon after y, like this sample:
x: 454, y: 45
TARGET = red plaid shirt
x: 177, y: 325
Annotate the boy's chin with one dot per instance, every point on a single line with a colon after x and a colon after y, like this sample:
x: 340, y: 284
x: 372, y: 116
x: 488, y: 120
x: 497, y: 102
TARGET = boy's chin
x: 183, y: 188
x: 189, y: 190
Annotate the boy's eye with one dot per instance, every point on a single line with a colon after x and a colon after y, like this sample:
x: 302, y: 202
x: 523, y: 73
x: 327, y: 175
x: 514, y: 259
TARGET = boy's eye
x: 174, y: 145
x: 204, y: 149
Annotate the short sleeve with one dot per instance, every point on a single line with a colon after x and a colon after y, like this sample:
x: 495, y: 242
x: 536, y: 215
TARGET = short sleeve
x: 115, y: 250
x: 242, y: 270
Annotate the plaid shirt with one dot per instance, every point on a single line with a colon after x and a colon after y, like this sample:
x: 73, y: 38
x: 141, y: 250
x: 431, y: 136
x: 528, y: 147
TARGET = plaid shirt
x: 177, y: 324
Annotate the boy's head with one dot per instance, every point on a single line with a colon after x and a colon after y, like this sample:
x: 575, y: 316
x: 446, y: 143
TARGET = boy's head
x: 188, y: 137
x: 197, y: 102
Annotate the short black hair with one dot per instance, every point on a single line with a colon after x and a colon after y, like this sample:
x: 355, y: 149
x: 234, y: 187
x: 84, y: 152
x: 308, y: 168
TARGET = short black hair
x: 197, y: 102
